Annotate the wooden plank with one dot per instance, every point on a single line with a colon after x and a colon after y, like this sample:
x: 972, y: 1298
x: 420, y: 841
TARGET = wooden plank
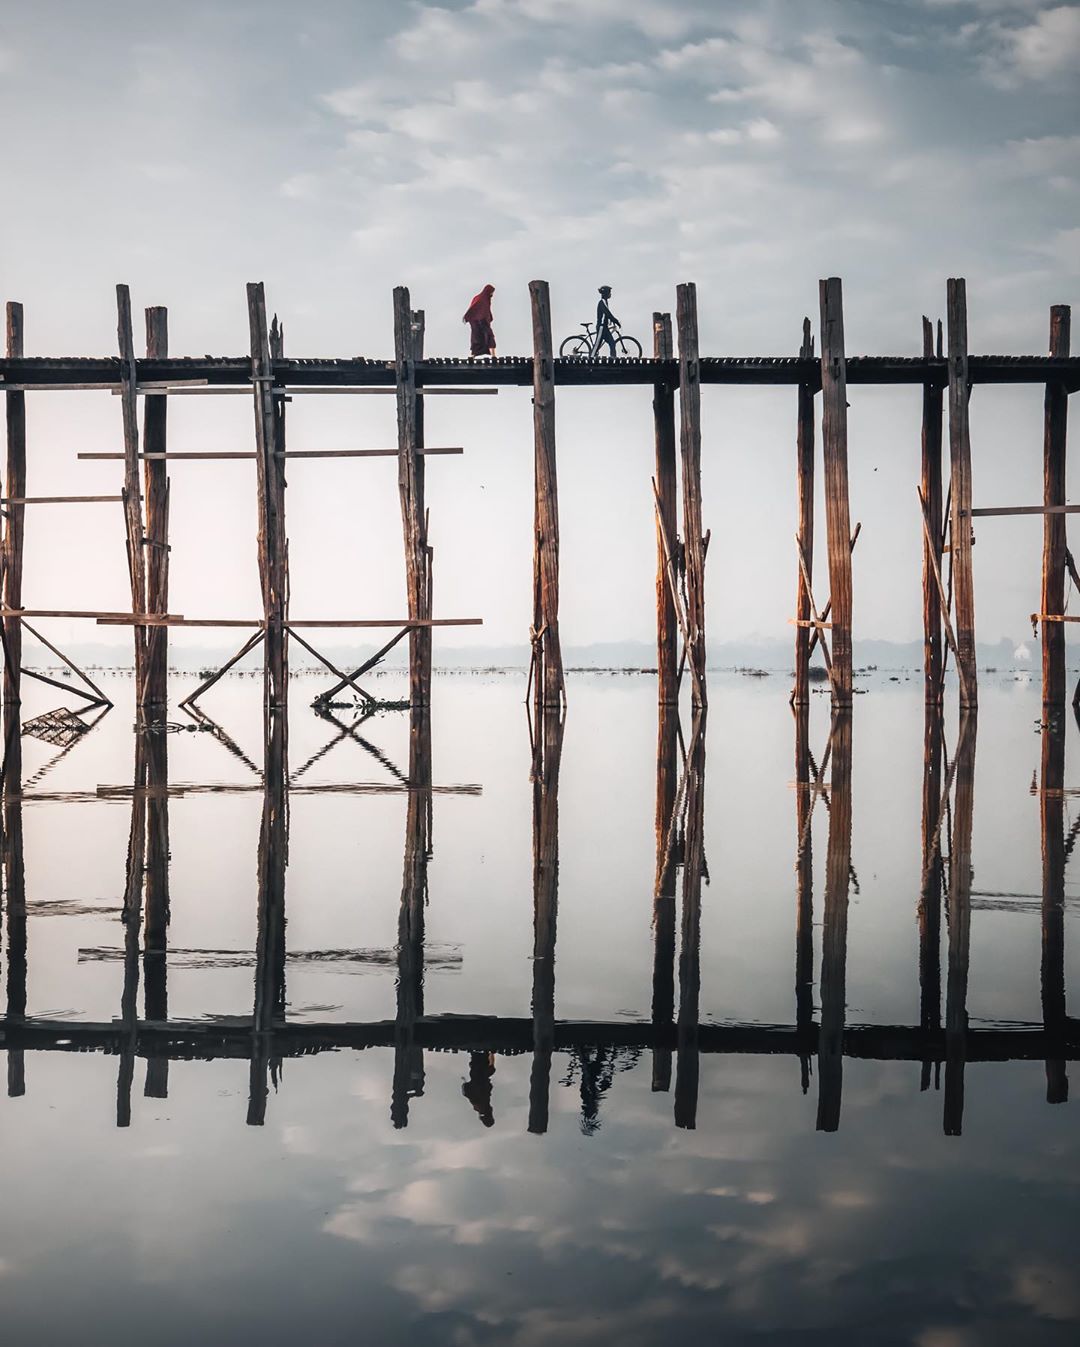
x: 667, y: 504
x: 79, y: 673
x: 804, y: 492
x: 837, y: 509
x: 15, y: 480
x: 550, y: 684
x: 999, y: 510
x: 960, y: 468
x: 690, y: 450
x: 288, y: 454
x: 133, y: 519
x: 1055, y: 424
x: 61, y: 500
x: 156, y: 489
x: 932, y: 407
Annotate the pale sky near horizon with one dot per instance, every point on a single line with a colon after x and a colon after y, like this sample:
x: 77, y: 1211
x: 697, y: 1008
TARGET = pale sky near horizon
x: 336, y: 149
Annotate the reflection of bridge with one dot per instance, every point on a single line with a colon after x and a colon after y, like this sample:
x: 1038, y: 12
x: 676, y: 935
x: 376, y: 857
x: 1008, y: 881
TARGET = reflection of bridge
x: 673, y: 1034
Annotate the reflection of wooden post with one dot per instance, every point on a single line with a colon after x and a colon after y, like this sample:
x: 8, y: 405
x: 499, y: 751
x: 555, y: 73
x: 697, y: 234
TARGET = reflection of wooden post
x: 132, y: 919
x: 549, y: 689
x: 408, y: 348
x: 837, y: 510
x: 15, y: 486
x: 960, y: 518
x: 1055, y: 418
x: 667, y: 630
x: 804, y: 478
x: 547, y: 753
x: 663, y: 988
x: 687, y: 1062
x: 690, y: 445
x: 804, y: 891
x: 156, y: 924
x: 408, y: 1058
x: 269, y: 1008
x: 156, y: 479
x: 834, y: 933
x: 931, y: 493
x: 1052, y: 820
x: 959, y: 913
x: 14, y: 888
x: 933, y: 873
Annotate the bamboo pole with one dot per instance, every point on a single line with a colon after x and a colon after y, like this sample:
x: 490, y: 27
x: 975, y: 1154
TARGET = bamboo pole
x: 960, y: 470
x: 411, y: 489
x: 1055, y: 421
x: 667, y: 501
x: 133, y: 519
x: 959, y: 918
x: 837, y: 510
x: 15, y: 484
x: 804, y: 487
x: 156, y: 489
x: 932, y: 404
x: 549, y: 687
x: 690, y: 449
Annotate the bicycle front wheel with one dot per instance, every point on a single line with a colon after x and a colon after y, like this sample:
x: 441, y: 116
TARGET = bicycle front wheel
x: 577, y: 345
x: 628, y: 346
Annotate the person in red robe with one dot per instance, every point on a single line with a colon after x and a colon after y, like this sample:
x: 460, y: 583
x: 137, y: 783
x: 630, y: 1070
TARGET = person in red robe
x: 478, y: 317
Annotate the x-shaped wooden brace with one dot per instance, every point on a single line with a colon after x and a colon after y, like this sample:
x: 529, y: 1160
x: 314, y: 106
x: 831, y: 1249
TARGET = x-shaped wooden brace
x: 935, y: 567
x: 676, y: 597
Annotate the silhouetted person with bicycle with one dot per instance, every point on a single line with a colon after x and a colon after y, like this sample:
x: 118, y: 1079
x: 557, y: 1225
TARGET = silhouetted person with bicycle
x: 605, y: 321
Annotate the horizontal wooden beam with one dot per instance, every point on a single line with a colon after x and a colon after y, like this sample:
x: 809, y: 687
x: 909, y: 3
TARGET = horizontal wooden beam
x: 178, y: 620
x: 61, y: 500
x: 1021, y: 509
x: 171, y: 456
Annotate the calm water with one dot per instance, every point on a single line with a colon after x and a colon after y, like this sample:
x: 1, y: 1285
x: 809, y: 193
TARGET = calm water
x: 448, y: 1069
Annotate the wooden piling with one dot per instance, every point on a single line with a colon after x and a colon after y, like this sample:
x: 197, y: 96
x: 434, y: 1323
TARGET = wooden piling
x: 959, y: 918
x: 837, y: 508
x: 407, y: 343
x: 960, y: 537
x: 132, y: 496
x: 549, y: 687
x: 932, y: 405
x: 1055, y: 421
x: 1054, y: 858
x: 804, y: 488
x: 15, y: 485
x: 156, y: 490
x: 804, y: 889
x: 667, y: 860
x: 14, y: 891
x: 694, y: 541
x: 547, y: 755
x: 687, y: 1062
x: 933, y: 875
x: 156, y: 918
x: 270, y: 475
x: 408, y: 1082
x: 667, y: 494
x: 834, y: 925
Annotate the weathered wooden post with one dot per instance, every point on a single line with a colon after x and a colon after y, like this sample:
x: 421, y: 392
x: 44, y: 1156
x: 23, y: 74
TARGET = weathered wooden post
x: 667, y: 493
x: 687, y: 1062
x: 804, y: 486
x: 408, y: 1082
x: 932, y: 404
x: 407, y: 346
x: 837, y: 508
x: 549, y: 687
x: 667, y: 860
x: 804, y: 892
x: 1052, y: 820
x: 1055, y: 421
x: 834, y: 928
x: 547, y: 755
x: 959, y: 918
x: 156, y: 479
x: 156, y: 922
x: 132, y: 494
x: 134, y: 873
x: 694, y: 541
x: 933, y: 874
x: 14, y: 889
x: 15, y: 486
x: 960, y: 536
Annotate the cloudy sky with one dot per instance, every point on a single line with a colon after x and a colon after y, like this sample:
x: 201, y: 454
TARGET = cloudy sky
x: 335, y: 149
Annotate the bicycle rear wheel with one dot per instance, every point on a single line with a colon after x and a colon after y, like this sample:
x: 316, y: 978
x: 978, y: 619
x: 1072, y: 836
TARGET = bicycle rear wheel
x: 628, y: 346
x: 576, y: 345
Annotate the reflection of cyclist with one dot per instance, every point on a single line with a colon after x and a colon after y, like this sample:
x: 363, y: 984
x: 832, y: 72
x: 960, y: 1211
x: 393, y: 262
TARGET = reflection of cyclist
x: 605, y: 321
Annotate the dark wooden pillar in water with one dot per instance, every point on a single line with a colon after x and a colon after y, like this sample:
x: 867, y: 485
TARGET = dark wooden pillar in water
x: 694, y: 541
x: 667, y: 491
x: 834, y: 930
x: 932, y: 405
x: 549, y: 688
x: 14, y: 888
x: 960, y: 537
x: 667, y: 861
x: 156, y: 489
x: 133, y: 515
x: 1056, y: 412
x: 837, y: 508
x: 14, y: 486
x: 273, y: 860
x: 270, y: 474
x: 686, y: 1036
x: 804, y: 479
x: 959, y: 913
x: 1052, y: 821
x: 547, y: 755
x: 156, y: 920
x: 408, y: 1057
x: 804, y: 892
x: 933, y: 874
x: 408, y: 349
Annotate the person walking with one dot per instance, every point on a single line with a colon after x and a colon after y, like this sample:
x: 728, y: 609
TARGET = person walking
x: 605, y: 321
x: 478, y: 317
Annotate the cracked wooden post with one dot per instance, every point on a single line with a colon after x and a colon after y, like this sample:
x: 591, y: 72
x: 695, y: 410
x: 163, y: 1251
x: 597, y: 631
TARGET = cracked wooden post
x: 156, y: 485
x: 14, y: 485
x: 932, y: 405
x: 549, y: 688
x: 834, y: 929
x: 837, y: 509
x: 804, y: 479
x: 667, y: 491
x: 690, y: 447
x: 1055, y: 421
x: 133, y: 516
x: 407, y: 348
x: 960, y: 538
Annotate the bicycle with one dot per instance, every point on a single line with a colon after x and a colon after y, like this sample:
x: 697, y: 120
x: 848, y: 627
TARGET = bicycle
x: 581, y: 343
